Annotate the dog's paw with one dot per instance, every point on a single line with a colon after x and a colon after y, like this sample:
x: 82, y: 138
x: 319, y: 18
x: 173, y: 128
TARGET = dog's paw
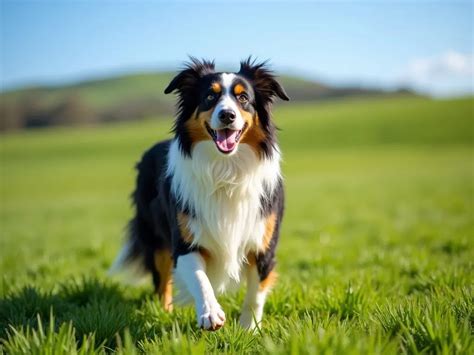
x: 210, y: 316
x: 247, y: 320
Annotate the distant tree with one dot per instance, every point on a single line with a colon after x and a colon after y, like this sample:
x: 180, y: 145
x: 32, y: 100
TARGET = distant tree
x: 34, y: 111
x: 11, y: 116
x: 71, y: 111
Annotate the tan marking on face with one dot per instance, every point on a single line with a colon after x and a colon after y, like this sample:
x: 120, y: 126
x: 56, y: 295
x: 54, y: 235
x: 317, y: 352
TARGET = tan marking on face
x: 270, y: 224
x: 269, y: 281
x: 239, y: 89
x: 164, y: 266
x: 216, y: 88
x: 254, y: 133
x: 196, y: 126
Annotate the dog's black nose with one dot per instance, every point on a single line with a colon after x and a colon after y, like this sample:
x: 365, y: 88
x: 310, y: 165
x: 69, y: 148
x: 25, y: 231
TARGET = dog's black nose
x: 227, y: 116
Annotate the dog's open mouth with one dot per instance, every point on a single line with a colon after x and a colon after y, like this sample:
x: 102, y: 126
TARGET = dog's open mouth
x: 226, y: 139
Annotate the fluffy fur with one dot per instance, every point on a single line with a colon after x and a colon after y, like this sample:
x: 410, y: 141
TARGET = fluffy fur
x: 226, y: 192
x: 209, y: 202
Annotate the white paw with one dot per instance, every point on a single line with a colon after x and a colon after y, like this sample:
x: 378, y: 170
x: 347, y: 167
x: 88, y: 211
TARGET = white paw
x: 210, y: 316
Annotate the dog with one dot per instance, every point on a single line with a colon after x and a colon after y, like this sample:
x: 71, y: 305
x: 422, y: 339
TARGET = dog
x: 209, y: 202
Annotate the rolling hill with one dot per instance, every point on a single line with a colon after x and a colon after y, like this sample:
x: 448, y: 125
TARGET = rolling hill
x: 129, y: 97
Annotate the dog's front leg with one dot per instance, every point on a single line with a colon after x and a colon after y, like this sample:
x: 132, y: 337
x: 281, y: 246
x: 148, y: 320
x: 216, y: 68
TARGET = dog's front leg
x: 191, y: 270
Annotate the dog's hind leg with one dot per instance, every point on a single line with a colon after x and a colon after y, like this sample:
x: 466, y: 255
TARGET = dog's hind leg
x: 257, y: 291
x: 162, y: 277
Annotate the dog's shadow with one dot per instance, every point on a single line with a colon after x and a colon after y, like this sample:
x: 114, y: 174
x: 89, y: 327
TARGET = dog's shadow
x: 91, y: 305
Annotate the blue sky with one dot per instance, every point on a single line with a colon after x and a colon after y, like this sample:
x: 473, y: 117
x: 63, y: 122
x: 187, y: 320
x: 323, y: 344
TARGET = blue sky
x: 423, y: 44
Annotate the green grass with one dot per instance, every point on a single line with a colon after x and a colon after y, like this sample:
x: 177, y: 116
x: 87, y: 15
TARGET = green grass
x: 376, y: 253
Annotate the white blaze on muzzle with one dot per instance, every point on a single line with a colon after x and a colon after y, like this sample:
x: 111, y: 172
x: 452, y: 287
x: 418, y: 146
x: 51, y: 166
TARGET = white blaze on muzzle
x: 227, y: 134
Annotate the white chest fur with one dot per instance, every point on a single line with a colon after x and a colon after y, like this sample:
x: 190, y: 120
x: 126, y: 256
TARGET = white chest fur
x: 225, y: 193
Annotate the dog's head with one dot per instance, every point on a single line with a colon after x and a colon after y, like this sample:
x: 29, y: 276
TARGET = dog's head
x: 227, y: 108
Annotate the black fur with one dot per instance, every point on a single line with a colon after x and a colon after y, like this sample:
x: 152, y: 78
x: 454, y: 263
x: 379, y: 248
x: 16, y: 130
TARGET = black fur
x: 155, y: 226
x: 189, y: 85
x: 266, y: 89
x: 276, y: 204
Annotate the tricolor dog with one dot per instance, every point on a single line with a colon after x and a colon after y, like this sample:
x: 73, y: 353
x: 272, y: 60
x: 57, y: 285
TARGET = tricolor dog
x: 209, y: 202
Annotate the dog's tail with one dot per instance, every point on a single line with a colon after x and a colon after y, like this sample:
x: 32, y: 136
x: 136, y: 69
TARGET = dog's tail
x: 129, y: 265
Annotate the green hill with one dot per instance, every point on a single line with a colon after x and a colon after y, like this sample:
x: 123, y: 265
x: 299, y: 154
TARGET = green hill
x: 127, y: 97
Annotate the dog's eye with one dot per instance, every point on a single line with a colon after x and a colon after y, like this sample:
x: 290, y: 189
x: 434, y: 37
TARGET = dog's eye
x: 210, y: 97
x: 242, y: 98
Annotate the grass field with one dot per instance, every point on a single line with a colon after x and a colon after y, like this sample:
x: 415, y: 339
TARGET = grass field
x: 376, y: 253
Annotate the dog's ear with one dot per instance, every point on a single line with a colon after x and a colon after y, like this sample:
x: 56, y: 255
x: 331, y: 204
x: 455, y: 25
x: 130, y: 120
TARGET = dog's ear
x: 263, y: 79
x: 187, y: 79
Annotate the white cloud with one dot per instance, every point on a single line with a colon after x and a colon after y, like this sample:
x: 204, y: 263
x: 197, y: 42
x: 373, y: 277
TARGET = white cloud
x: 450, y: 73
x: 446, y: 65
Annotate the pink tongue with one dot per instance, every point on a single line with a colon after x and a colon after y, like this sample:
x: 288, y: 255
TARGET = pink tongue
x: 226, y: 139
